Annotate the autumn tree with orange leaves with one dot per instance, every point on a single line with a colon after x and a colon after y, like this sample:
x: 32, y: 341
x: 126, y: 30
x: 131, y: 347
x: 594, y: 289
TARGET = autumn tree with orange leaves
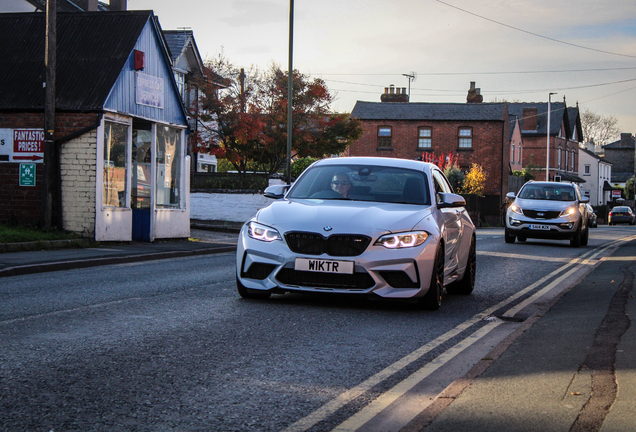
x: 248, y: 123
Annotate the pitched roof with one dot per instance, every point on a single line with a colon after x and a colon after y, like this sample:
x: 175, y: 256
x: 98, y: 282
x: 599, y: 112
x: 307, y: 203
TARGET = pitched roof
x: 594, y: 155
x: 557, y: 115
x: 177, y: 41
x: 89, y: 58
x: 429, y: 111
x: 621, y: 145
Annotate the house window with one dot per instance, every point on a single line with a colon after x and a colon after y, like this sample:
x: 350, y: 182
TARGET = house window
x: 573, y: 156
x: 168, y: 168
x: 465, y: 138
x: 519, y: 154
x: 512, y: 154
x: 424, y: 140
x: 180, y: 79
x: 586, y: 170
x: 115, y: 164
x: 384, y: 137
x: 559, y: 153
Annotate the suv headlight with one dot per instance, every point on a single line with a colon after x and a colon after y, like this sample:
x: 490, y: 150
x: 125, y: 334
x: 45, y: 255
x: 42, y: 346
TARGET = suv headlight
x: 516, y: 209
x: 568, y: 211
x: 403, y: 240
x: 262, y: 232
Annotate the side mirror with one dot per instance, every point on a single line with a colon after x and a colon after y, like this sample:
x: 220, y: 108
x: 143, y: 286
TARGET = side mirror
x: 511, y: 195
x: 276, y: 191
x: 451, y: 200
x: 585, y: 200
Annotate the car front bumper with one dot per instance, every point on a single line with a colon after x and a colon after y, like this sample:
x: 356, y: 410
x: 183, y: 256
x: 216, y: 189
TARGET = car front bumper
x: 387, y: 273
x: 563, y: 228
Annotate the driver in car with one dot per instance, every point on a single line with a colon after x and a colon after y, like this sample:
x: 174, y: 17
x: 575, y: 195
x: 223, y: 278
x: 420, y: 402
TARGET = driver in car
x: 340, y: 183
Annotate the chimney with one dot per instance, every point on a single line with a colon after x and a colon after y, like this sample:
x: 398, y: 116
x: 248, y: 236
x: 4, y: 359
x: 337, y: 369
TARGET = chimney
x: 626, y: 140
x: 530, y: 119
x: 474, y: 94
x: 118, y: 5
x: 88, y: 5
x: 393, y: 94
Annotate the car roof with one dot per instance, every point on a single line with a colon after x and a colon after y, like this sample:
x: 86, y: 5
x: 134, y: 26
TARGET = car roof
x: 548, y: 183
x: 381, y: 161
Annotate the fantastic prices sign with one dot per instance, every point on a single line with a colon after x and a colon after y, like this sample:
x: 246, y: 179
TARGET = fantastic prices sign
x: 21, y: 145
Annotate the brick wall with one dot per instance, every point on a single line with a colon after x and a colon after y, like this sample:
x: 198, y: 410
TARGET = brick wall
x: 77, y: 172
x: 488, y: 138
x: 535, y: 152
x: 23, y: 204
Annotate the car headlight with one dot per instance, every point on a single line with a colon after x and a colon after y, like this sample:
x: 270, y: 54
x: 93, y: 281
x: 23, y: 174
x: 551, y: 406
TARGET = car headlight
x: 404, y: 240
x: 262, y: 232
x: 516, y: 209
x: 568, y: 212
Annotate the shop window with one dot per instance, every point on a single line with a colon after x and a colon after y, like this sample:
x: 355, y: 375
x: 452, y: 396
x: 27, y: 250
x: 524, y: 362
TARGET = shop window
x: 115, y: 164
x: 425, y: 140
x: 168, y: 165
x: 465, y: 138
x: 384, y: 137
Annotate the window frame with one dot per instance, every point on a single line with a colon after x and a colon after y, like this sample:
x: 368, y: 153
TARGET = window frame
x: 469, y: 138
x: 420, y: 137
x: 384, y: 141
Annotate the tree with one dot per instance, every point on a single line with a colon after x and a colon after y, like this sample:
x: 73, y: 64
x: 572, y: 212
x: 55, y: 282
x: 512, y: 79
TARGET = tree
x: 316, y: 132
x: 598, y: 128
x: 630, y: 185
x: 229, y: 124
x: 247, y: 122
x: 475, y: 181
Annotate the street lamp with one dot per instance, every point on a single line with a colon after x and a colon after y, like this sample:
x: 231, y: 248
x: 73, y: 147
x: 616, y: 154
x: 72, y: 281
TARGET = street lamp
x: 547, y: 158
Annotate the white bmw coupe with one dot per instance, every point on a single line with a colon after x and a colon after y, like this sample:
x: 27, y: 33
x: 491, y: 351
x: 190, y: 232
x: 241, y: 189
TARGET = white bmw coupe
x: 383, y: 227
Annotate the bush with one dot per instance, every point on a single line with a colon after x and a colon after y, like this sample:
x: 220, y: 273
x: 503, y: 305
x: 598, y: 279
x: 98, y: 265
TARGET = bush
x: 300, y: 165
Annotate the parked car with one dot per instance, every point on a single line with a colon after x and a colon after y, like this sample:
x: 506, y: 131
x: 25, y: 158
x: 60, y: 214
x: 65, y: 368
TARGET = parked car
x: 622, y: 214
x: 381, y: 227
x: 548, y: 210
x: 592, y: 217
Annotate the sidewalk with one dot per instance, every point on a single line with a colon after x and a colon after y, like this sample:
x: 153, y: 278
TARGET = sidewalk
x: 574, y: 369
x: 39, y: 261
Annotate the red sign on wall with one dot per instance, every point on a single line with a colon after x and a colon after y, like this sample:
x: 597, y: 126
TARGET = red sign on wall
x: 28, y: 141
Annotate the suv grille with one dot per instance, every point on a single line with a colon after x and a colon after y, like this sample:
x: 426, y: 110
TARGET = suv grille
x: 538, y: 214
x: 335, y: 245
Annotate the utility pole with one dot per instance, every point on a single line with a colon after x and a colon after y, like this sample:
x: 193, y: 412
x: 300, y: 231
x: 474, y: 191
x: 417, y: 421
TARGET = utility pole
x: 290, y: 89
x: 242, y: 82
x: 50, y: 154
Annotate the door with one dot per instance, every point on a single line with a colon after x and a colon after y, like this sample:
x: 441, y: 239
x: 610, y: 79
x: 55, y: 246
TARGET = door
x: 141, y: 180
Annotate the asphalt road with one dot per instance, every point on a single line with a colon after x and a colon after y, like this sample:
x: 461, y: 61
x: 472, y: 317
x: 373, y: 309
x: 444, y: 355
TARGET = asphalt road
x: 169, y: 345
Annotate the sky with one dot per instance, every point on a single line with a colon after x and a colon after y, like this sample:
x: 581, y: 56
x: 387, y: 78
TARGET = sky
x: 514, y: 50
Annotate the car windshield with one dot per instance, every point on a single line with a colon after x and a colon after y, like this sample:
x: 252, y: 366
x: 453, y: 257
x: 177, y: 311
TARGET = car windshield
x: 548, y: 192
x: 362, y: 183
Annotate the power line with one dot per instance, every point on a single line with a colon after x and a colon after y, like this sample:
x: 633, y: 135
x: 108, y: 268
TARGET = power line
x: 532, y: 33
x: 481, y: 73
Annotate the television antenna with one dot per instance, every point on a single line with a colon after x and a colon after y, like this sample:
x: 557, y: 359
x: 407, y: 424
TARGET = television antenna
x: 411, y: 77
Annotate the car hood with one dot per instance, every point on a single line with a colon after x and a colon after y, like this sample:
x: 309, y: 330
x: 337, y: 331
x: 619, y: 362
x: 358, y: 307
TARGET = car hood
x: 544, y: 204
x: 342, y: 216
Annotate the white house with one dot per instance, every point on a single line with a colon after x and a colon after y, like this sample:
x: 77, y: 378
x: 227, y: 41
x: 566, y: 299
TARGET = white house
x: 597, y: 173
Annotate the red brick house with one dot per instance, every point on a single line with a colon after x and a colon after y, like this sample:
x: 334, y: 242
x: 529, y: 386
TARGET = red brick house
x: 477, y: 132
x: 565, y: 135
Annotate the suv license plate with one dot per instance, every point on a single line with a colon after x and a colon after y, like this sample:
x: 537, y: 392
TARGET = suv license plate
x: 324, y: 266
x: 540, y: 227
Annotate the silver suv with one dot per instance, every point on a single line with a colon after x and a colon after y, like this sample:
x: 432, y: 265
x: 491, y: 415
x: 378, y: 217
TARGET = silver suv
x: 548, y: 210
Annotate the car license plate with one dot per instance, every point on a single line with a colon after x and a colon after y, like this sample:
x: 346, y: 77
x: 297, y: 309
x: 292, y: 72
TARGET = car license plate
x: 324, y: 266
x: 540, y: 227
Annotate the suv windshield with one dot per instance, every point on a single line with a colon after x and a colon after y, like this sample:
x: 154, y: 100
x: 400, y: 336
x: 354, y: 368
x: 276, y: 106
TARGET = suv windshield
x: 362, y: 183
x: 548, y: 192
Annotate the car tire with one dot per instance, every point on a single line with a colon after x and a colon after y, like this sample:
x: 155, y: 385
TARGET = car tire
x: 508, y: 237
x: 522, y: 239
x: 576, y: 240
x: 585, y: 237
x: 247, y: 293
x: 432, y: 300
x: 466, y: 284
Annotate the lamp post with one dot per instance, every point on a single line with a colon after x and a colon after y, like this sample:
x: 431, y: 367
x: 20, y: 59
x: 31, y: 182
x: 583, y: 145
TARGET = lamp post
x: 290, y: 83
x: 547, y: 157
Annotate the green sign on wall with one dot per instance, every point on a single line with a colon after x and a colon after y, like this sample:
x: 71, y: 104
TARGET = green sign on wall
x: 27, y: 174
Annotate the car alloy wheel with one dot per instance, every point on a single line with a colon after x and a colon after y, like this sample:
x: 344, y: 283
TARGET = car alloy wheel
x: 466, y: 284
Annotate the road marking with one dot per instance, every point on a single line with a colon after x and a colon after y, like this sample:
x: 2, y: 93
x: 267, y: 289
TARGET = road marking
x: 521, y: 256
x: 343, y: 399
x: 383, y: 401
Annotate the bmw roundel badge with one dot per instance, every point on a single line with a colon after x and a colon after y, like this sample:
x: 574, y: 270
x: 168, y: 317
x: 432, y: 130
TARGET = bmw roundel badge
x: 327, y: 228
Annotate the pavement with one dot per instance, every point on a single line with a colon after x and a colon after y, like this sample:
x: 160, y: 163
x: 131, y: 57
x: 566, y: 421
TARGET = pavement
x: 569, y: 367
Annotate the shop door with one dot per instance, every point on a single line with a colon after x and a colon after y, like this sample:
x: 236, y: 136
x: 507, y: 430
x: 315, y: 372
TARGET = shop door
x: 141, y: 180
